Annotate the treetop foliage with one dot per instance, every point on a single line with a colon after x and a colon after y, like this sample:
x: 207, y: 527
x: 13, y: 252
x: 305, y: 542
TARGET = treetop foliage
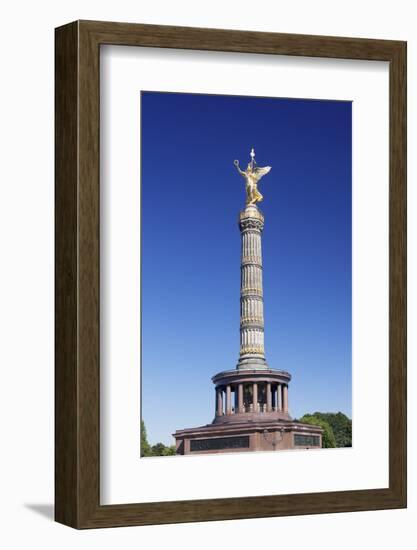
x: 159, y: 449
x: 337, y: 428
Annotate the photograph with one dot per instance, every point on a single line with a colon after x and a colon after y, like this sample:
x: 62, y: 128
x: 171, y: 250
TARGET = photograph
x: 246, y: 274
x: 209, y: 267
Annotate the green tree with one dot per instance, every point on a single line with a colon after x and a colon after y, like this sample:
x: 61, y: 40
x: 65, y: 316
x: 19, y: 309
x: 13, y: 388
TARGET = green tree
x: 171, y: 450
x: 341, y: 426
x: 328, y: 439
x: 159, y: 449
x: 145, y: 448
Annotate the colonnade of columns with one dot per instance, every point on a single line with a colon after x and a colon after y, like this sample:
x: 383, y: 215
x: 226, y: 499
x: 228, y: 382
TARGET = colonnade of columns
x: 276, y: 398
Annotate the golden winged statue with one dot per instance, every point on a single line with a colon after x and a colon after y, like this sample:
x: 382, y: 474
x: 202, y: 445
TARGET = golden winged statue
x: 252, y: 175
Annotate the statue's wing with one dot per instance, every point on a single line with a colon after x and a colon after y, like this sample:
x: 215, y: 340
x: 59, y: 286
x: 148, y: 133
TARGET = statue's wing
x: 260, y: 172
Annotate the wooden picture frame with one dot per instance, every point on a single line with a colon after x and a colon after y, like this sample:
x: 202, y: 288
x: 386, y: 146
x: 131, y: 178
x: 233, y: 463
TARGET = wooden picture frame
x: 77, y: 405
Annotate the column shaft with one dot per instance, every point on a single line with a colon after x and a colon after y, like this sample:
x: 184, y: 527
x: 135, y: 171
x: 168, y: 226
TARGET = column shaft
x: 252, y: 352
x: 240, y: 398
x: 268, y: 397
x: 255, y: 397
x: 219, y: 401
x: 285, y: 398
x: 228, y: 400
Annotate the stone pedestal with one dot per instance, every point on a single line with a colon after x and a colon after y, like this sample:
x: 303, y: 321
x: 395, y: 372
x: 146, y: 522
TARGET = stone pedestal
x: 245, y: 436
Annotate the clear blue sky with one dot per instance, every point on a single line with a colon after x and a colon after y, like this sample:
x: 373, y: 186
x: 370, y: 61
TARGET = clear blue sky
x: 191, y: 198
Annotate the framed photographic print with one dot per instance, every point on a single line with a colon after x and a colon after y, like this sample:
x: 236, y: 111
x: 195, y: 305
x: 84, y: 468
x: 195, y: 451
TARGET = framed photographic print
x: 230, y: 274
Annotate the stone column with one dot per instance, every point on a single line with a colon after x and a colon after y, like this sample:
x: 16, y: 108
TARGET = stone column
x: 252, y: 354
x: 255, y: 397
x: 219, y: 401
x: 228, y: 400
x: 268, y: 397
x: 285, y: 398
x: 240, y: 398
x: 279, y: 396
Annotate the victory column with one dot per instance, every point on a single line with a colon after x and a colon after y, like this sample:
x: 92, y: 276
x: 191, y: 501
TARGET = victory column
x: 251, y: 401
